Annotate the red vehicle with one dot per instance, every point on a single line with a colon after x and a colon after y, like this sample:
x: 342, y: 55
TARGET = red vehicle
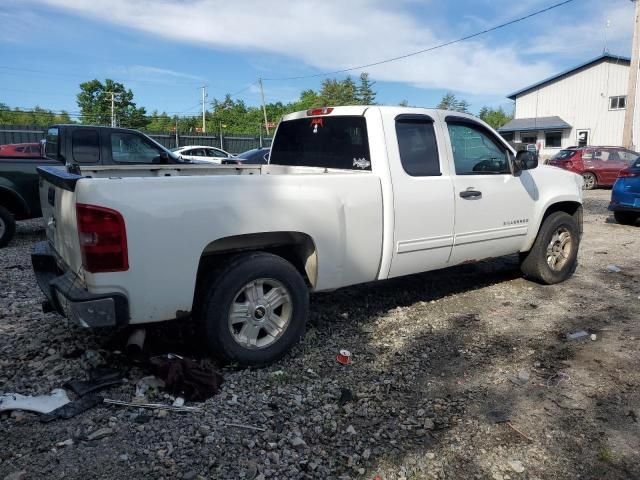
x: 599, y: 166
x: 27, y: 150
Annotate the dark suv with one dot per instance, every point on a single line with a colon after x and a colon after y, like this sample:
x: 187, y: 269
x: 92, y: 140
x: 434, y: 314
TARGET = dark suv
x: 599, y: 166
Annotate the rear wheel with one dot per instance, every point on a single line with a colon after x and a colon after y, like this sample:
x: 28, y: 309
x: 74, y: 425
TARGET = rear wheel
x: 553, y: 257
x: 590, y: 181
x: 253, y: 310
x: 626, y: 218
x: 7, y: 226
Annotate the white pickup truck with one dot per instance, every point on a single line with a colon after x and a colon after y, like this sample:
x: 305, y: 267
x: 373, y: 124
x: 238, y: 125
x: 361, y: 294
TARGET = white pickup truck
x: 351, y: 195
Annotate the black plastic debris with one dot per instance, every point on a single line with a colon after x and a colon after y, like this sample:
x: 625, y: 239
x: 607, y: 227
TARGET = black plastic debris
x: 72, y: 409
x: 99, y: 378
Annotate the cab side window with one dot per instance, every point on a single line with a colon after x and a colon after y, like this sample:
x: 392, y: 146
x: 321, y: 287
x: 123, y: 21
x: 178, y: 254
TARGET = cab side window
x: 475, y: 152
x: 85, y: 146
x: 417, y: 145
x: 129, y: 148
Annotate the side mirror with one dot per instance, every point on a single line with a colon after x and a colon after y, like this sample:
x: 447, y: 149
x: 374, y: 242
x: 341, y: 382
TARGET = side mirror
x: 164, y: 157
x: 526, y: 160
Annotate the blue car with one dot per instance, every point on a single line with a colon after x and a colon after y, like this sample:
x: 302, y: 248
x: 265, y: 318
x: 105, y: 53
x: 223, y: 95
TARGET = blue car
x: 625, y: 196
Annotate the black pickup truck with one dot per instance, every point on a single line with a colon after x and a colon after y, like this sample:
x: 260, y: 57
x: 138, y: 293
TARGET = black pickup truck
x: 69, y: 144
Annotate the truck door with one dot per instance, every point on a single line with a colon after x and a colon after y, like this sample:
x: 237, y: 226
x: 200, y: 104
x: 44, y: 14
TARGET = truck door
x: 493, y: 207
x: 422, y: 195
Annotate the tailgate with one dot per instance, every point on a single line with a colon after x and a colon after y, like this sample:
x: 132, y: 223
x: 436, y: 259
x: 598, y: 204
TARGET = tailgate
x: 58, y: 201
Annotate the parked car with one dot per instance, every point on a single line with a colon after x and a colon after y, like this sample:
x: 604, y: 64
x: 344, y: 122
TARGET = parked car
x: 625, y: 196
x: 599, y: 166
x: 72, y: 144
x: 350, y: 195
x: 28, y: 150
x: 202, y: 153
x: 256, y: 156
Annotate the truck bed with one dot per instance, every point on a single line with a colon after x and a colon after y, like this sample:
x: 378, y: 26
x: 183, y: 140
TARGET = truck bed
x: 125, y: 171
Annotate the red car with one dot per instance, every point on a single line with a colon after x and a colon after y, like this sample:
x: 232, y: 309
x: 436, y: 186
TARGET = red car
x: 28, y: 150
x: 599, y: 166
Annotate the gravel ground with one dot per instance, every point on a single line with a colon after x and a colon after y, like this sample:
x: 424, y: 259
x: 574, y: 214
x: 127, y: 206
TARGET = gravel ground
x: 441, y: 361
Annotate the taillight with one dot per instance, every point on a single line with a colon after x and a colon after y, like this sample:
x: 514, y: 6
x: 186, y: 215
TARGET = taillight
x: 319, y: 111
x: 103, y: 239
x: 626, y: 172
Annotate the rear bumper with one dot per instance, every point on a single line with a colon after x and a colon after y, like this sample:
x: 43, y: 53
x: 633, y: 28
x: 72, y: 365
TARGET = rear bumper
x: 70, y: 298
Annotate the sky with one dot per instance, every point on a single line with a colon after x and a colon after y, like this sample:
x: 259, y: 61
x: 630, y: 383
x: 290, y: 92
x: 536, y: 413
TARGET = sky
x: 165, y: 50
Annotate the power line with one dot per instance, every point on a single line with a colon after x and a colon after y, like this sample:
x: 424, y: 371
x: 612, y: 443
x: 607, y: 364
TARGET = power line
x: 244, y: 89
x: 430, y: 49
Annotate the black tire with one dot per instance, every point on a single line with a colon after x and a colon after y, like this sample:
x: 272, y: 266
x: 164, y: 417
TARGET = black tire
x: 219, y: 289
x: 534, y: 263
x: 590, y: 181
x: 626, y: 218
x: 7, y: 226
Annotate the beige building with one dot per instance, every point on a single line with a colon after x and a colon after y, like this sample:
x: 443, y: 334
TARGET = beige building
x: 581, y: 106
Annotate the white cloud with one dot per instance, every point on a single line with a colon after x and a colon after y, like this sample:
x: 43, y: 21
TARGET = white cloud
x: 584, y: 35
x: 155, y: 72
x: 331, y: 35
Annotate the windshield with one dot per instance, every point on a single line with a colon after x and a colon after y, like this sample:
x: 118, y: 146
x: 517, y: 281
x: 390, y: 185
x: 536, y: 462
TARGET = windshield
x: 564, y: 155
x: 328, y: 142
x: 636, y: 164
x: 251, y: 153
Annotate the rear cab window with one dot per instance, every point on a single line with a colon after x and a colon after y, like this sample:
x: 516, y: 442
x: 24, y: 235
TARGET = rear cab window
x: 328, y: 142
x: 52, y: 149
x: 564, y: 155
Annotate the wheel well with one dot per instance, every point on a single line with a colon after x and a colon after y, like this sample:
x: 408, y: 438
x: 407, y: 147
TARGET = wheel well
x: 572, y: 208
x: 13, y: 203
x: 295, y: 247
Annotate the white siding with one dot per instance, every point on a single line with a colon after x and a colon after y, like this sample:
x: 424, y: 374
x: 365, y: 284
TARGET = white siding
x: 582, y: 100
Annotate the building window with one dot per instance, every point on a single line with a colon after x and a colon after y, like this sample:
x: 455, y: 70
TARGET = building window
x: 553, y: 139
x: 508, y: 136
x: 618, y: 103
x: 528, y: 138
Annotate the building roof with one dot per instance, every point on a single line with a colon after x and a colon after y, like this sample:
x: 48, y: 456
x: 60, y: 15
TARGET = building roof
x: 531, y: 124
x: 570, y: 71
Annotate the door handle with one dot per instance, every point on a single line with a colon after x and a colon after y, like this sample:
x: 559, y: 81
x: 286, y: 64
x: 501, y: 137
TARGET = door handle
x: 471, y: 194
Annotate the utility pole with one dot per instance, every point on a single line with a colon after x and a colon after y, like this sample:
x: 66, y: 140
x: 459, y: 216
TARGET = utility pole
x: 177, y: 132
x: 113, y: 108
x: 204, y: 95
x: 627, y: 133
x: 264, y: 107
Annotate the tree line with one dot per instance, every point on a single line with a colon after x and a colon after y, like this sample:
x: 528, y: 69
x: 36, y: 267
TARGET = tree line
x: 232, y: 116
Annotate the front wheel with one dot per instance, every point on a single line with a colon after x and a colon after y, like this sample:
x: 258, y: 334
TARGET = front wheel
x: 590, y: 181
x: 7, y: 226
x: 253, y: 310
x: 626, y: 218
x: 554, y: 255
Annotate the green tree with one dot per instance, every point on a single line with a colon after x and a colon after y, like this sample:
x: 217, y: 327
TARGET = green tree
x: 404, y: 103
x: 495, y: 117
x: 338, y: 92
x: 365, y: 93
x: 159, y: 122
x: 450, y: 102
x: 94, y: 101
x: 37, y: 116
